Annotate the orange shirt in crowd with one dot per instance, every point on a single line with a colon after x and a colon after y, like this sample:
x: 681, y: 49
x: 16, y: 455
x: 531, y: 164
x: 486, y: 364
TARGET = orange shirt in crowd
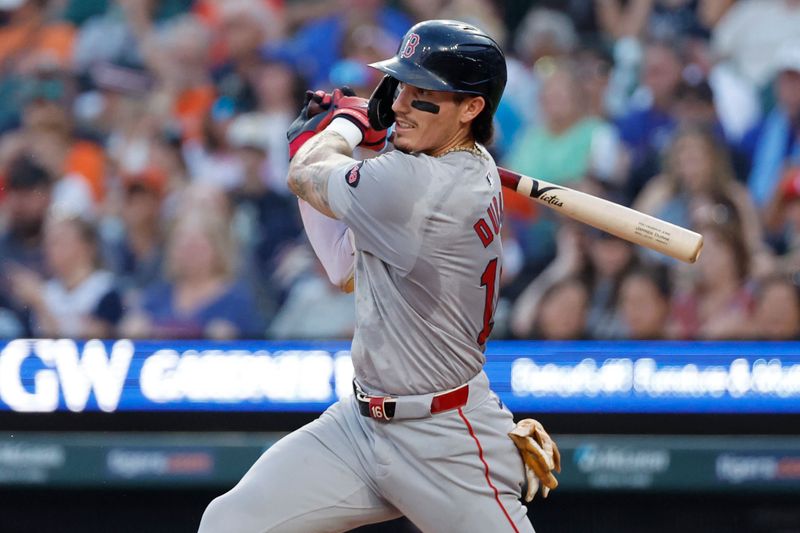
x: 88, y: 159
x: 191, y: 107
x: 54, y: 40
x: 208, y: 12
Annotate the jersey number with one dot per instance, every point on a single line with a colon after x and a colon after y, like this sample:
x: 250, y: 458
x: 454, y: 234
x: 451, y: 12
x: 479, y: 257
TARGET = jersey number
x: 488, y: 280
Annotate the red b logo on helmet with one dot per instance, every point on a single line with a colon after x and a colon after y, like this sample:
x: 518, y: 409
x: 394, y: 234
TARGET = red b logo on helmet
x: 411, y: 46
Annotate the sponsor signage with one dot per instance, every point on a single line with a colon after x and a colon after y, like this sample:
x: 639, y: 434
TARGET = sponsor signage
x: 589, y: 462
x: 635, y: 377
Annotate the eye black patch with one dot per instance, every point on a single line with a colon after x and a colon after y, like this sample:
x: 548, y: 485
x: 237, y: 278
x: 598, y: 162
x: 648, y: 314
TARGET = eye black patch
x: 428, y: 107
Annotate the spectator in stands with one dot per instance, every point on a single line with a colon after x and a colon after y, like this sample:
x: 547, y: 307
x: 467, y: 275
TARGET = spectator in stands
x: 719, y: 304
x: 47, y: 133
x: 245, y: 26
x: 608, y: 260
x: 136, y: 255
x: 317, y: 45
x: 277, y: 91
x: 32, y: 39
x: 599, y: 261
x: 362, y: 45
x: 482, y: 14
x: 30, y: 36
x: 697, y: 170
x: 777, y: 140
x: 113, y: 35
x: 694, y: 104
x: 751, y: 33
x: 562, y: 312
x: 119, y: 110
x: 179, y: 56
x: 777, y: 310
x: 543, y: 34
x: 210, y: 158
x: 268, y: 222
x: 783, y: 222
x: 593, y: 67
x: 563, y: 147
x: 80, y: 300
x: 202, y: 296
x: 27, y: 193
x: 166, y: 155
x: 648, y: 127
x: 122, y: 31
x: 695, y: 108
x: 314, y: 308
x: 643, y: 303
x: 659, y: 19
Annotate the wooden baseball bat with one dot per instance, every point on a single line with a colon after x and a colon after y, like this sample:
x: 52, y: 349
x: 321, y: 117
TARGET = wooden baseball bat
x: 618, y: 220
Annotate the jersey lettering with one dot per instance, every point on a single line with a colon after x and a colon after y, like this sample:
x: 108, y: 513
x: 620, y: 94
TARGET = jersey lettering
x: 494, y: 212
x: 488, y: 280
x: 494, y: 215
x: 483, y: 231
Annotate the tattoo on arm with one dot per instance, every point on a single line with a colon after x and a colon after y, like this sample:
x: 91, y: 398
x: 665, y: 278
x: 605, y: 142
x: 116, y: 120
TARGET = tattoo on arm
x: 313, y: 164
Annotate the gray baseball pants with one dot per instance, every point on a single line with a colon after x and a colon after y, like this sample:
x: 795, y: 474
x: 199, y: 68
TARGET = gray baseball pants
x: 455, y: 471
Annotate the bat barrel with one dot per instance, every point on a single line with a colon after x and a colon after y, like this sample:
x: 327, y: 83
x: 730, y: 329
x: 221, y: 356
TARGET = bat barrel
x: 616, y: 219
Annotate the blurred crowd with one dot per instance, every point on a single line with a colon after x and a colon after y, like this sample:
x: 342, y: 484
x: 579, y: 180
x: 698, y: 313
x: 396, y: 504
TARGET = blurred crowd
x: 143, y: 159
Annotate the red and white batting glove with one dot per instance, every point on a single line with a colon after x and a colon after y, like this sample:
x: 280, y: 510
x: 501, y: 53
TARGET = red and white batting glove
x: 354, y: 109
x: 313, y: 118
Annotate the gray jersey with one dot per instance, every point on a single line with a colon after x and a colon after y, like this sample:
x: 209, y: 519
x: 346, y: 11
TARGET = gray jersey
x: 428, y: 260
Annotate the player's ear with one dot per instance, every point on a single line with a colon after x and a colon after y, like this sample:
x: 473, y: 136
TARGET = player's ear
x: 471, y: 108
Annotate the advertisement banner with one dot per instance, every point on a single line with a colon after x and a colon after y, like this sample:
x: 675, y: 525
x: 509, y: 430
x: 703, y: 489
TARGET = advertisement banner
x: 641, y: 463
x: 575, y: 377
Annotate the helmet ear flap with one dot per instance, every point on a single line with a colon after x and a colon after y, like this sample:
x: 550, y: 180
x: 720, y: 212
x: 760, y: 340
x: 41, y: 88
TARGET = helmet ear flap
x: 379, y: 109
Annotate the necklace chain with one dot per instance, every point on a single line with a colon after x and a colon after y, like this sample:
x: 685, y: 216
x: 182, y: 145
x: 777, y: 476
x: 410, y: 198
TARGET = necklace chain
x: 474, y: 150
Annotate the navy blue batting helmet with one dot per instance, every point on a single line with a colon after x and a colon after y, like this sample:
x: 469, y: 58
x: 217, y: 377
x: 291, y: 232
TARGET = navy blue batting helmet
x: 441, y: 55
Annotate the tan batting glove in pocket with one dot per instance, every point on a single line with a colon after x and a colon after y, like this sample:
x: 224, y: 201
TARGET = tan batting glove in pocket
x: 540, y: 455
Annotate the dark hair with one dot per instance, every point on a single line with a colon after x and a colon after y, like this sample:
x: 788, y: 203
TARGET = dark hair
x: 656, y: 273
x: 24, y: 173
x: 732, y: 237
x: 482, y: 126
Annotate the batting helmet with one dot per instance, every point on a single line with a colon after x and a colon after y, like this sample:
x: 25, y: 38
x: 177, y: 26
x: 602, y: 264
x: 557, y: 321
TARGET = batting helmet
x: 441, y: 55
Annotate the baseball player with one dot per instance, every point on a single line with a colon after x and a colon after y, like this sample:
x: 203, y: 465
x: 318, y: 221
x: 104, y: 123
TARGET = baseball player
x: 419, y: 226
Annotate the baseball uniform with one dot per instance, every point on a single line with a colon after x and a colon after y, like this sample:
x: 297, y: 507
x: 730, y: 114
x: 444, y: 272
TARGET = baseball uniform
x: 428, y: 261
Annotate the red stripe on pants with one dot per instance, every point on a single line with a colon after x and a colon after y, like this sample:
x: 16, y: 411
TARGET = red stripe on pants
x: 486, y: 469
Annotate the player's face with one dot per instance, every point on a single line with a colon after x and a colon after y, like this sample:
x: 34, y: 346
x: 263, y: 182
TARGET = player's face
x: 422, y: 131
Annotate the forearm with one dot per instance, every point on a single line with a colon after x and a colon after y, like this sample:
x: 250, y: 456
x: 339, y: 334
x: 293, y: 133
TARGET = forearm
x: 313, y: 163
x: 332, y: 242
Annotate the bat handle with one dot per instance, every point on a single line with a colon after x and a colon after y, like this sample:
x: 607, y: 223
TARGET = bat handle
x: 508, y: 178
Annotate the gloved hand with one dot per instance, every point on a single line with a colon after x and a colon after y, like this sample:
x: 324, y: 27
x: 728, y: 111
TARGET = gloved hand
x: 313, y: 118
x: 540, y: 455
x: 354, y: 109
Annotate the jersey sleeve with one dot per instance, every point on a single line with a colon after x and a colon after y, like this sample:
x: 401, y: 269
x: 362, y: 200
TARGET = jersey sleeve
x: 384, y: 202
